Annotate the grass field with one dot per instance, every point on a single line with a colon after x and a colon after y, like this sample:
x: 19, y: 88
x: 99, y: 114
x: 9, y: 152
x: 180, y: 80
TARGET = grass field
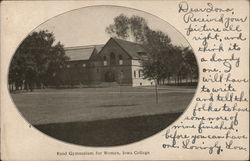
x: 109, y: 132
x: 120, y: 115
x: 89, y: 104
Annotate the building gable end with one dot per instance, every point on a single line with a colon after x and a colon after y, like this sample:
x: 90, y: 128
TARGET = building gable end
x: 111, y: 39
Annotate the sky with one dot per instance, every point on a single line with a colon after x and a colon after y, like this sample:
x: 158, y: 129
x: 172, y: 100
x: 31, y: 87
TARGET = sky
x: 86, y: 26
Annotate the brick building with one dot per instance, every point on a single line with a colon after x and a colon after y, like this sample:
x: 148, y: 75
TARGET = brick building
x: 116, y: 62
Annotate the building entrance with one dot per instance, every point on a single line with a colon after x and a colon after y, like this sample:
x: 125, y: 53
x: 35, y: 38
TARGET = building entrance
x: 110, y: 76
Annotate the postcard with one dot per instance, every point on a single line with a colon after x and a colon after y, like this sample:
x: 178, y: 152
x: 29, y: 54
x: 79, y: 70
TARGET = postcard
x: 125, y: 80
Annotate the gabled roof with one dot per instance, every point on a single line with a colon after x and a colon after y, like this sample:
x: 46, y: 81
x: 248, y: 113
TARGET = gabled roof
x: 133, y: 49
x: 81, y: 52
x: 97, y: 49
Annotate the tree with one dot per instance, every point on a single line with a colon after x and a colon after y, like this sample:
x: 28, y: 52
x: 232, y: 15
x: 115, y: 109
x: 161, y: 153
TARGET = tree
x: 57, y: 58
x: 139, y: 28
x: 190, y: 61
x: 36, y: 60
x: 133, y: 28
x: 151, y: 70
x: 120, y: 27
x: 177, y: 64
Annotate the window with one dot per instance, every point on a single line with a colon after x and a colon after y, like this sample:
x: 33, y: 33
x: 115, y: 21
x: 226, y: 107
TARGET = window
x: 140, y: 83
x: 140, y: 73
x: 134, y: 74
x: 105, y: 63
x: 120, y: 60
x: 112, y: 59
x: 84, y: 65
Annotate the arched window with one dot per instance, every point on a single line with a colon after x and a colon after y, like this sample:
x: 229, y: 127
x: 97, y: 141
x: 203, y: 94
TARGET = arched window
x: 120, y: 60
x: 112, y: 59
x: 105, y: 61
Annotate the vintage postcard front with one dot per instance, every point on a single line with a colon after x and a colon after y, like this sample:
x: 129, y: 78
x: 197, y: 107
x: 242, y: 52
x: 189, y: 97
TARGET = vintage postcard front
x: 125, y: 80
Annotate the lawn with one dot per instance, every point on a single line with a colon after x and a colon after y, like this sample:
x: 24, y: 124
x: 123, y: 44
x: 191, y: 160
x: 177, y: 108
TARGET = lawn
x: 89, y: 104
x: 111, y: 116
x: 110, y: 132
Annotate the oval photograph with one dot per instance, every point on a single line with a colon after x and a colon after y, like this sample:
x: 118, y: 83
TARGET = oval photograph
x: 103, y: 76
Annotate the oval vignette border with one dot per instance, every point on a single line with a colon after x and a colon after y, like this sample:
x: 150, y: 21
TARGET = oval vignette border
x: 114, y: 6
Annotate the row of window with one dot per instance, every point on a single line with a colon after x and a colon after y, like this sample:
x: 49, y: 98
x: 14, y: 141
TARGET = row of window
x: 97, y: 70
x: 112, y: 56
x: 139, y: 74
x: 112, y: 60
x: 150, y: 83
x: 105, y: 63
x: 76, y: 65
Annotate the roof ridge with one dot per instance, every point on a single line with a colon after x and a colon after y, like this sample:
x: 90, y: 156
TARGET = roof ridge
x: 124, y: 43
x: 86, y: 46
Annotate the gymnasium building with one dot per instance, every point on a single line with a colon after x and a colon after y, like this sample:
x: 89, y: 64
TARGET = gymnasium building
x: 118, y: 62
